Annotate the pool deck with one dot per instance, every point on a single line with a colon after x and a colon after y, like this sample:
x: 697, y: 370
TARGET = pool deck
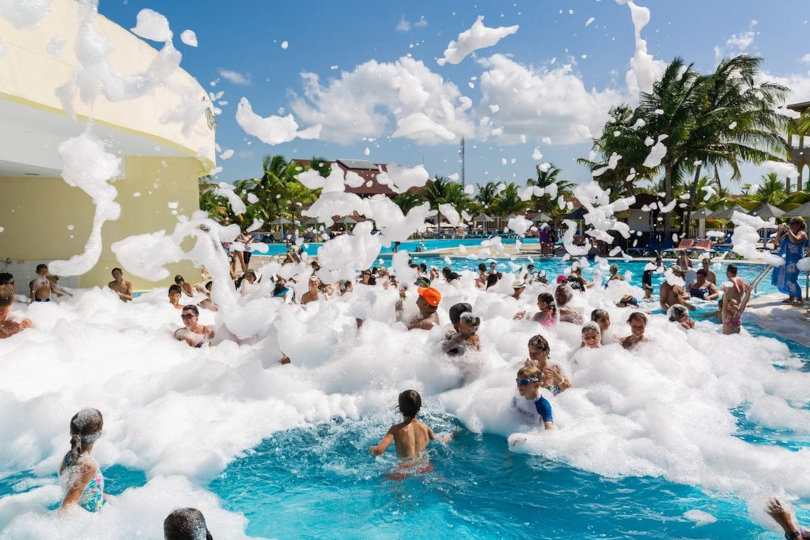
x: 784, y: 320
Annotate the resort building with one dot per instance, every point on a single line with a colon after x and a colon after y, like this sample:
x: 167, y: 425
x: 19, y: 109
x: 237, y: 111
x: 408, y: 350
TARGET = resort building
x: 42, y: 218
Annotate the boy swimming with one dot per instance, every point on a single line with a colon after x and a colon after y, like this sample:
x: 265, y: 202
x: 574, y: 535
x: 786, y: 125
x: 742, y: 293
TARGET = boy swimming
x: 410, y: 436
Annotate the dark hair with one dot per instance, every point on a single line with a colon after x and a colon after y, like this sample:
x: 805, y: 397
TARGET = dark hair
x: 539, y: 342
x: 41, y: 266
x: 423, y: 267
x: 548, y: 298
x: 186, y: 524
x: 178, y: 279
x: 456, y: 310
x: 5, y: 278
x: 637, y: 315
x: 702, y: 272
x: 482, y: 267
x: 676, y: 312
x: 116, y: 268
x: 6, y: 295
x: 343, y: 285
x: 492, y: 279
x: 175, y: 288
x: 193, y: 309
x: 733, y: 269
x: 598, y: 314
x: 470, y: 318
x: 209, y: 285
x: 410, y: 402
x: 446, y: 271
x: 85, y: 429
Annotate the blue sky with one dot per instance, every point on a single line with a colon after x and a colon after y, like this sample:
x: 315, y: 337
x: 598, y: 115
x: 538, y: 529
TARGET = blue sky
x: 540, y: 90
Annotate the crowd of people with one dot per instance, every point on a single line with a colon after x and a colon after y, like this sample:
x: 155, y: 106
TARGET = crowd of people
x: 538, y: 380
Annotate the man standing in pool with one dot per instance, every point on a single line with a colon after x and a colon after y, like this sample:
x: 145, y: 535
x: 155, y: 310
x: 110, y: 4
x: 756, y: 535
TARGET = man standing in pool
x: 428, y: 304
x: 120, y: 285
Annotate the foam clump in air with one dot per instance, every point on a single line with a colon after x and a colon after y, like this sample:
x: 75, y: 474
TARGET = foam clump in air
x: 657, y: 153
x: 519, y: 225
x: 273, y: 129
x: 341, y: 257
x: 401, y: 179
x: 189, y: 37
x: 87, y: 165
x: 152, y: 25
x: 450, y: 213
x: 24, y: 13
x: 476, y: 37
x: 746, y: 237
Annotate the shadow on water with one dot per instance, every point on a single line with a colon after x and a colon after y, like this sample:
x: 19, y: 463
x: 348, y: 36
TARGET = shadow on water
x: 322, y: 482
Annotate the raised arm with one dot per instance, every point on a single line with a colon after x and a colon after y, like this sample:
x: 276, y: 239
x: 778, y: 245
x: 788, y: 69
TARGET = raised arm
x: 380, y: 448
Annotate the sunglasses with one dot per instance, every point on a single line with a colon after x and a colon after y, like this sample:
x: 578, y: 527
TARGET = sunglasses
x: 524, y: 382
x: 186, y: 316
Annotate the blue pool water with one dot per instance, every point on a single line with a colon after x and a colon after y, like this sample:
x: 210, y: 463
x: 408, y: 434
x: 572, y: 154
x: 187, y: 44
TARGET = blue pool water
x: 410, y: 246
x: 320, y: 482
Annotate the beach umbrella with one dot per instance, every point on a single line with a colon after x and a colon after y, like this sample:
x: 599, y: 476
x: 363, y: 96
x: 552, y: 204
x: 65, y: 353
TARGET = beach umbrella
x: 483, y: 218
x: 281, y: 220
x: 726, y: 213
x: 801, y: 211
x: 701, y: 213
x: 767, y: 211
x: 346, y: 220
x: 311, y: 221
x: 542, y: 217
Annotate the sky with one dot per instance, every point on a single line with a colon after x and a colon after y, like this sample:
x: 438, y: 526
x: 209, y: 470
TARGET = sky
x: 390, y: 81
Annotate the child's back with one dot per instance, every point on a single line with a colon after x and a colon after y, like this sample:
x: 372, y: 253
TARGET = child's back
x: 411, y: 437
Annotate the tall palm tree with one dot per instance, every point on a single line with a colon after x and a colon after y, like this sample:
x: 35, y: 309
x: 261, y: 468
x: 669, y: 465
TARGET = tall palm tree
x: 508, y: 202
x: 545, y: 177
x: 440, y: 190
x: 771, y: 191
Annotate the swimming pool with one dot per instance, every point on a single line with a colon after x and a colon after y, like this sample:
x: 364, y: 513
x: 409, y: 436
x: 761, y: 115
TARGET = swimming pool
x: 411, y: 245
x: 287, y: 448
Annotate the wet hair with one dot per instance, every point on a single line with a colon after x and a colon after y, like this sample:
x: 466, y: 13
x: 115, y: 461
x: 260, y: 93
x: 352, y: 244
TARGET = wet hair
x: 446, y: 271
x: 702, y: 272
x: 482, y: 267
x: 457, y: 310
x: 116, y: 269
x: 591, y: 326
x: 539, y: 342
x: 5, y: 278
x: 85, y: 429
x: 178, y: 279
x: 193, y: 309
x: 41, y: 267
x: 492, y: 279
x: 175, y: 289
x: 409, y: 403
x: 209, y: 285
x: 676, y: 312
x: 637, y: 315
x: 598, y: 314
x: 343, y: 285
x: 470, y: 318
x: 530, y: 372
x: 566, y: 290
x: 614, y: 268
x: 732, y: 268
x: 423, y: 267
x: 6, y: 295
x: 186, y: 524
x: 548, y: 298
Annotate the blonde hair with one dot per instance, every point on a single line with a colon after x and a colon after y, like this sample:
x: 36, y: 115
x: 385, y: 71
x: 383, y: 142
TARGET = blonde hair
x: 529, y: 372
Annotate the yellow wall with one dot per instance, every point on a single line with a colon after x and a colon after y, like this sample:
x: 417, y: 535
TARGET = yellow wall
x: 36, y: 214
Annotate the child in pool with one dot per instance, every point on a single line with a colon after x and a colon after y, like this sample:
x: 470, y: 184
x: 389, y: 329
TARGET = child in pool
x: 465, y: 337
x: 83, y: 480
x: 680, y: 314
x: 410, y: 436
x: 529, y: 403
x: 186, y: 524
x: 591, y: 335
x: 551, y: 375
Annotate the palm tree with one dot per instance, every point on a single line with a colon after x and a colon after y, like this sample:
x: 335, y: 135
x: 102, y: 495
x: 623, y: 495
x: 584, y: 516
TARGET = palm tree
x: 215, y: 205
x: 440, y: 190
x: 508, y: 202
x: 771, y: 191
x: 545, y: 177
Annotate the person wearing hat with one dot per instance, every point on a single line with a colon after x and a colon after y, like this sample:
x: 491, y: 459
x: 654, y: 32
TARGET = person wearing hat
x: 671, y: 295
x: 518, y: 286
x: 428, y: 304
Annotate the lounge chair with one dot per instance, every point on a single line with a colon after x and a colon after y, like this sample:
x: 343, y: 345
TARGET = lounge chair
x: 683, y: 245
x: 704, y: 245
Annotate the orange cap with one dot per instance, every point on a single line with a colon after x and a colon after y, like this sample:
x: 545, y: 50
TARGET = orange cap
x: 432, y: 295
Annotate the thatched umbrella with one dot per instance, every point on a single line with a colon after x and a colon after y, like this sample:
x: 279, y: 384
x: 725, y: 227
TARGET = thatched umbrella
x: 767, y: 211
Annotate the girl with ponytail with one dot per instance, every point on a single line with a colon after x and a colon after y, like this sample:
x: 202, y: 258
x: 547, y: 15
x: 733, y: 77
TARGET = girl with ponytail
x: 79, y: 472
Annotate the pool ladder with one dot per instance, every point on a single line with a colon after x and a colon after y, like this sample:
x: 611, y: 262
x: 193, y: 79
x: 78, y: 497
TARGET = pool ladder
x: 765, y: 271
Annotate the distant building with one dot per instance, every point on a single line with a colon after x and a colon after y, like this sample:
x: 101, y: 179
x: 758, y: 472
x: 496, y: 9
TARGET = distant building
x: 361, y: 176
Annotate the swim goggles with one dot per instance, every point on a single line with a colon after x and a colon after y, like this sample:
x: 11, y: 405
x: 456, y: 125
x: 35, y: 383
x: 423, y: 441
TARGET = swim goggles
x: 524, y: 382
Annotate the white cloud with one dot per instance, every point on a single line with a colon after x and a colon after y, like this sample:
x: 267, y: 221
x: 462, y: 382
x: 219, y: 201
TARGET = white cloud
x: 544, y: 104
x: 798, y: 83
x: 737, y: 43
x: 403, y: 25
x: 421, y: 23
x: 805, y: 59
x: 235, y: 77
x: 273, y: 129
x: 361, y: 103
x: 476, y: 37
x: 189, y: 38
